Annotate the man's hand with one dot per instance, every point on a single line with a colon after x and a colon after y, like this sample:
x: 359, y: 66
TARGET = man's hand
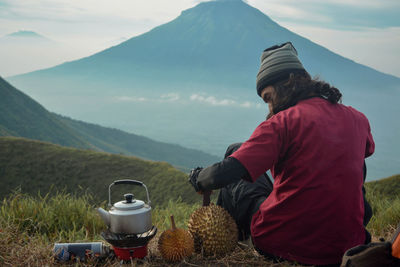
x: 194, y: 173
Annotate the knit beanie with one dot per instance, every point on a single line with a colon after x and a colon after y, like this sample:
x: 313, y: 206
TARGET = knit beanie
x: 277, y: 62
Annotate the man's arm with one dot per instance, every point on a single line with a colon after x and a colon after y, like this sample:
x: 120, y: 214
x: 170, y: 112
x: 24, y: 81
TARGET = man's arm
x: 221, y: 174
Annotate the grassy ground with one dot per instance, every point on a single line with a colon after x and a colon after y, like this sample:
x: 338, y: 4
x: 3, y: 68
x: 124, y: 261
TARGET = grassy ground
x: 33, y: 165
x: 384, y: 197
x: 29, y: 226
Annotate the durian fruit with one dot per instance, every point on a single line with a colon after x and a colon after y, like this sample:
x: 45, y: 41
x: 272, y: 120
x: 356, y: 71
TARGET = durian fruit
x: 175, y: 244
x: 214, y: 231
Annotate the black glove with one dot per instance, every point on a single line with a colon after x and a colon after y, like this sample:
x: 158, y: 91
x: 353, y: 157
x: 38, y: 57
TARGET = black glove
x: 194, y: 173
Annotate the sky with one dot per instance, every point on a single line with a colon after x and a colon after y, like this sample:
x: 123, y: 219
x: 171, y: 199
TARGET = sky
x: 366, y: 31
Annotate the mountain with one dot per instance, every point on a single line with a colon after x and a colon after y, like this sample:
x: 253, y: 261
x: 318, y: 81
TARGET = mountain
x: 36, y: 166
x: 192, y: 81
x: 25, y: 34
x: 26, y: 51
x: 120, y: 142
x: 21, y: 116
x: 216, y: 42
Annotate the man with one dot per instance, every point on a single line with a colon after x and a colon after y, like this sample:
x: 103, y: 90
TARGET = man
x: 315, y: 148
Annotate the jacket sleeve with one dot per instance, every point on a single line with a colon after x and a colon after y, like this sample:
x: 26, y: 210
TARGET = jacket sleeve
x: 265, y: 146
x: 221, y: 174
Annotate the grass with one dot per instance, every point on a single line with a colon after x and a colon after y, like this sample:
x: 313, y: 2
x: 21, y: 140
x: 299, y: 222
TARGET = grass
x: 384, y: 197
x: 66, y: 218
x: 30, y: 225
x: 389, y: 188
x: 60, y: 217
x: 33, y: 165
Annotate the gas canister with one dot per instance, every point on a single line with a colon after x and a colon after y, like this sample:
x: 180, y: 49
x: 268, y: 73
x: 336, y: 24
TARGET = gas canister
x: 80, y: 251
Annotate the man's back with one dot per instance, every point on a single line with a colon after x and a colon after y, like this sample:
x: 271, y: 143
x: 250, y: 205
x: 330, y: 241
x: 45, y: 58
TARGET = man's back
x: 316, y: 153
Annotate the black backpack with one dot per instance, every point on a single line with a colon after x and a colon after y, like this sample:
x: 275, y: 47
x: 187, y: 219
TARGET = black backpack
x: 376, y: 254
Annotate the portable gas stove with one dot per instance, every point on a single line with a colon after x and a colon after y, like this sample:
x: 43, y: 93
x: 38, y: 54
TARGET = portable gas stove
x: 129, y: 246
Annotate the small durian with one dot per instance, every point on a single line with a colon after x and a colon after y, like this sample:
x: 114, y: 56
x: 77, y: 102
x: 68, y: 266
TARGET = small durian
x: 214, y: 231
x: 175, y: 244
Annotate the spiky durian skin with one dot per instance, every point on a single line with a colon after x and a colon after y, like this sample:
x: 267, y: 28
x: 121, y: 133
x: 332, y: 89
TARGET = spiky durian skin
x: 214, y: 231
x: 175, y: 244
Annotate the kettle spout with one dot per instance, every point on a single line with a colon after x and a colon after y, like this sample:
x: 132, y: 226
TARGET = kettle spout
x: 105, y: 215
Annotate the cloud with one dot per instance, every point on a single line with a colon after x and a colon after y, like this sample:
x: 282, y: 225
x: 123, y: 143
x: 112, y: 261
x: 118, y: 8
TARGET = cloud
x: 366, y: 31
x: 278, y: 10
x: 334, y: 14
x: 359, y: 3
x: 213, y: 101
x: 376, y: 48
x: 199, y: 98
x: 248, y: 104
x: 89, y: 10
x: 169, y: 97
x: 130, y: 99
x: 99, y: 20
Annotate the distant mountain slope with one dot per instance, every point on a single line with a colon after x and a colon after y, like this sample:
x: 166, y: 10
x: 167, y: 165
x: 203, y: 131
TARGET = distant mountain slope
x: 117, y: 141
x: 37, y: 166
x: 25, y: 34
x: 22, y: 116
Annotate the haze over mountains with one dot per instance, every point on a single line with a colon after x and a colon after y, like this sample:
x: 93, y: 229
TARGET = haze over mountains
x: 192, y: 81
x: 21, y: 116
x: 25, y: 51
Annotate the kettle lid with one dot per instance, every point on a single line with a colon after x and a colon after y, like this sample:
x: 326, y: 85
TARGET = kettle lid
x: 129, y: 203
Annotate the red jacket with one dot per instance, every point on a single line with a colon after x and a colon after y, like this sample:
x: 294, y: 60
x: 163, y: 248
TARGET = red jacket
x: 315, y: 151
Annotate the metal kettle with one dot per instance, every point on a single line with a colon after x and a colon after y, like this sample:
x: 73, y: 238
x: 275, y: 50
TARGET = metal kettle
x: 128, y: 216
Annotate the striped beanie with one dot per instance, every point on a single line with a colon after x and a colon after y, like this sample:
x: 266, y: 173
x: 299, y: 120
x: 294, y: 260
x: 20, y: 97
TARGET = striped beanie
x: 277, y: 62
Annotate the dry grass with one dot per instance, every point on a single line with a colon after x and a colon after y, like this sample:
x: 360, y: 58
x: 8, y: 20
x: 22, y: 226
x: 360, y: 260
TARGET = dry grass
x: 20, y: 249
x: 243, y: 255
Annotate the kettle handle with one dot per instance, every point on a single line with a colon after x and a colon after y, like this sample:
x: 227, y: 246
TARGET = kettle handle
x: 127, y: 181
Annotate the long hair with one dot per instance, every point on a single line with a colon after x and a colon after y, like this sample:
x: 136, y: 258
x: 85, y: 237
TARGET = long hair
x: 301, y: 86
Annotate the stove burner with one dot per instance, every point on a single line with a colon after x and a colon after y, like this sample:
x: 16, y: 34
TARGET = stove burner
x: 130, y: 253
x: 128, y: 246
